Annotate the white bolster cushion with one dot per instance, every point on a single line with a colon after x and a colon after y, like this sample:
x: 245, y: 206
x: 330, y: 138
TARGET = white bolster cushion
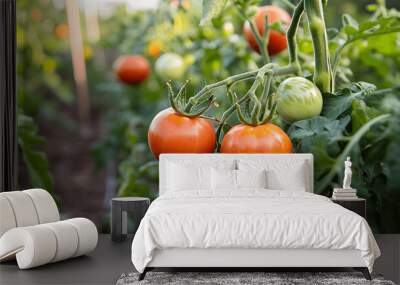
x: 23, y: 208
x: 66, y: 238
x: 46, y: 208
x: 40, y: 244
x: 7, y: 218
x: 87, y: 235
x: 33, y: 246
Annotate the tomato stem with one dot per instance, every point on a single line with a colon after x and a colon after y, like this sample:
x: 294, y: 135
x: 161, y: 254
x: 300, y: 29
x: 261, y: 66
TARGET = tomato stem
x: 269, y: 108
x: 291, y: 34
x: 171, y: 95
x: 261, y: 40
x: 231, y: 80
x: 268, y: 69
x: 323, y: 76
x: 265, y: 96
x: 206, y: 90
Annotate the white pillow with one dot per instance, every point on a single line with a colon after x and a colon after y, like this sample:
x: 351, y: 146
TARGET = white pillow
x: 295, y: 180
x: 227, y: 179
x: 223, y: 179
x: 183, y: 177
x: 289, y: 175
x: 251, y: 178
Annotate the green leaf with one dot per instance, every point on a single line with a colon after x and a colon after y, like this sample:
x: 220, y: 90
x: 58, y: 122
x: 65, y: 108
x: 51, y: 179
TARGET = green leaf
x: 130, y: 182
x: 319, y: 136
x: 318, y: 126
x: 31, y: 145
x: 351, y: 32
x: 368, y: 25
x: 277, y: 26
x: 340, y: 102
x: 350, y: 25
x: 211, y: 10
x: 336, y: 105
x: 385, y: 44
x: 361, y: 114
x: 380, y: 26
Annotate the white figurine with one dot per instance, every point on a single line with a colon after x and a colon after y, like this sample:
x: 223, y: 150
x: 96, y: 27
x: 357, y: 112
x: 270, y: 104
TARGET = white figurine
x: 347, y: 174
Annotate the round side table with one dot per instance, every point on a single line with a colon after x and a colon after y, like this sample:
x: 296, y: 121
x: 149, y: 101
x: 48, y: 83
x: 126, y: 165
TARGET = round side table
x: 120, y: 207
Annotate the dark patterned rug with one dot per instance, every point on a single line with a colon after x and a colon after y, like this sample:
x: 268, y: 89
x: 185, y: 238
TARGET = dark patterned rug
x: 243, y: 278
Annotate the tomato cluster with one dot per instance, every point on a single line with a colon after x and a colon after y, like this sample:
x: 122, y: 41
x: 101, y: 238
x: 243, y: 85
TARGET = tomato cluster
x: 174, y: 131
x: 170, y: 132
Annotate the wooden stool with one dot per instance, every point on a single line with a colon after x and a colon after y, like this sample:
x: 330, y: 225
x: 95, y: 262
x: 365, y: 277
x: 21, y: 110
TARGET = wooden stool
x: 119, y: 216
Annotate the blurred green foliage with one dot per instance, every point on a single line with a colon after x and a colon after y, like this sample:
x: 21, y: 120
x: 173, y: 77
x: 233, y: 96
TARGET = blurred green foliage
x: 42, y: 84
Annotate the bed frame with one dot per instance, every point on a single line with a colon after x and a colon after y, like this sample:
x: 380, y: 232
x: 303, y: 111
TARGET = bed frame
x: 246, y: 258
x: 242, y: 259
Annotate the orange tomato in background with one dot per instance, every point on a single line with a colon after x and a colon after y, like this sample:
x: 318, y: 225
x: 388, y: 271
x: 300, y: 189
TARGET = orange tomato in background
x: 132, y: 69
x: 276, y: 40
x: 154, y: 49
x: 36, y: 15
x: 61, y: 31
x: 170, y: 132
x: 267, y: 138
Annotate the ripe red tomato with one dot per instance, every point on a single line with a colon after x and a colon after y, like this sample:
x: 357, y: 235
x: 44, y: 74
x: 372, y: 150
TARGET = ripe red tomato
x: 277, y: 40
x: 267, y: 138
x: 132, y: 69
x: 170, y: 132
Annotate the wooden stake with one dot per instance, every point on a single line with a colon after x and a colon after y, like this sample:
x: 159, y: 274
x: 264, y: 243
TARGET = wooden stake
x: 78, y: 61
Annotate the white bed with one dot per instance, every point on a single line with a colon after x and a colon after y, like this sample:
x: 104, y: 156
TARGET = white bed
x: 195, y: 224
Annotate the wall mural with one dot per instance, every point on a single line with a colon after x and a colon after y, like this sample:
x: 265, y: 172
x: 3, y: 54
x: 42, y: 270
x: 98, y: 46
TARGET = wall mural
x: 229, y: 77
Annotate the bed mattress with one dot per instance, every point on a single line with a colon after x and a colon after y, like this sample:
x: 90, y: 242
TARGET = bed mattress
x: 250, y: 219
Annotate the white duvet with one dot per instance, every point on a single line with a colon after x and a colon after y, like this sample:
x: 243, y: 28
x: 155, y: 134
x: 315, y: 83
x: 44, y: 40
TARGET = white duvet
x: 250, y: 219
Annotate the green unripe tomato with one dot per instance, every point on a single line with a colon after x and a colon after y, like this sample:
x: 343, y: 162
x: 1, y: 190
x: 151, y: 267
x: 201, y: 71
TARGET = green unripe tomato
x: 170, y: 66
x: 298, y: 99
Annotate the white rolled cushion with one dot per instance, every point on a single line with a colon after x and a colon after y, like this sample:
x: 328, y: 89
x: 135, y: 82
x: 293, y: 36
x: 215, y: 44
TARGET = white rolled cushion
x: 46, y: 208
x: 223, y: 179
x: 7, y: 218
x: 40, y: 244
x: 67, y: 239
x: 182, y: 177
x: 23, y: 208
x: 87, y: 235
x: 33, y: 246
x: 251, y: 178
